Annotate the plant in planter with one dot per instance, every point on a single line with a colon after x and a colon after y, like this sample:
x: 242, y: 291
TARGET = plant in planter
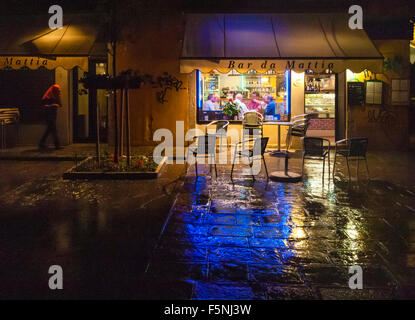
x: 230, y: 109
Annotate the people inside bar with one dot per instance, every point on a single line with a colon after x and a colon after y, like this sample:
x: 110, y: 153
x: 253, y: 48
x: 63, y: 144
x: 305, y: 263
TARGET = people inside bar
x: 264, y: 93
x: 270, y: 111
x: 241, y: 106
x: 210, y: 103
x: 254, y: 104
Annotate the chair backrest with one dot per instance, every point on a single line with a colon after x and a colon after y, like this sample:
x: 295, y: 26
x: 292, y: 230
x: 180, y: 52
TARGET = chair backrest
x: 358, y: 147
x: 222, y: 126
x: 260, y: 144
x: 252, y: 118
x: 206, y: 144
x: 299, y: 126
x: 313, y: 146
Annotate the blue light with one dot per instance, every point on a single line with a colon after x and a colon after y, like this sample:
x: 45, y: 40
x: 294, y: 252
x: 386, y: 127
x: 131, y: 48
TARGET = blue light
x: 288, y: 91
x: 199, y: 89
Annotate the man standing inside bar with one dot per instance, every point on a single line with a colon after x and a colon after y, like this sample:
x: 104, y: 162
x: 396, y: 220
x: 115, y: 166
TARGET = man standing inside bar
x: 51, y: 101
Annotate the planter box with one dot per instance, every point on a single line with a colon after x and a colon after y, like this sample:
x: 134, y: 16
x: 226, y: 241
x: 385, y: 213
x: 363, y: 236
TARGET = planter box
x: 71, y: 174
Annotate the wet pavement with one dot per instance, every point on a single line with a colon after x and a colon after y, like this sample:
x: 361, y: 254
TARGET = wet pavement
x: 100, y: 232
x: 179, y: 237
x: 259, y: 240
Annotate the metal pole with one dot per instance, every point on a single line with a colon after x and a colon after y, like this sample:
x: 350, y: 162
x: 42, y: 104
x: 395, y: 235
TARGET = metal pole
x: 121, y: 135
x: 98, y: 153
x: 127, y: 113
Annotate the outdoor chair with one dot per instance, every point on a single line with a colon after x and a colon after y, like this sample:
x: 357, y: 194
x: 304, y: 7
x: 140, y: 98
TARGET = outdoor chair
x: 205, y: 147
x: 352, y: 149
x: 258, y: 149
x: 252, y: 122
x: 221, y: 127
x: 314, y: 148
x: 297, y: 129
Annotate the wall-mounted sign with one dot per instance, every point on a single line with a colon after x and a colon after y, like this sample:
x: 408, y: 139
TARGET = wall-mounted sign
x: 17, y: 62
x: 355, y: 93
x: 374, y: 92
x: 400, y: 91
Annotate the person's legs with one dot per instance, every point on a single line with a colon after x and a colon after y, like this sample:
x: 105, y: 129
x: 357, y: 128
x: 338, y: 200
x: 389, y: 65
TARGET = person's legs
x: 54, y: 132
x: 45, y: 135
x: 51, y: 129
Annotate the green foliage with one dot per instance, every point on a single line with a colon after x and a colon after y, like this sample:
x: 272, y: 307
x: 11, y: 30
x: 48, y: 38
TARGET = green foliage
x: 230, y: 109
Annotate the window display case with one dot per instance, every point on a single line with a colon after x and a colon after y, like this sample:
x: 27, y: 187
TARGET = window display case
x: 320, y: 95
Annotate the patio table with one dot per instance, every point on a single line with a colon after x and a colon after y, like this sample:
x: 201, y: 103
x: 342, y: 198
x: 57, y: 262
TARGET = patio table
x: 279, y: 124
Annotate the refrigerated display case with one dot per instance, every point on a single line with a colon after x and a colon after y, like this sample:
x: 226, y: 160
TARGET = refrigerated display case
x: 320, y: 95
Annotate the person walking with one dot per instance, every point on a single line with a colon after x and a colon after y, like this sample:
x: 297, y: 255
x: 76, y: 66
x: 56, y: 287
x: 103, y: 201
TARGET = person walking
x: 51, y: 101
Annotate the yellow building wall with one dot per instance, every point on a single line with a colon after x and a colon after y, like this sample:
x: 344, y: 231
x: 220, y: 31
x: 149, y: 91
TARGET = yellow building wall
x: 386, y: 130
x: 153, y: 46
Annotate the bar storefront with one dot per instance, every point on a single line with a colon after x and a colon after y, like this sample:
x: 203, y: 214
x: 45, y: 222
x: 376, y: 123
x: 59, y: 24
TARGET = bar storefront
x: 280, y: 65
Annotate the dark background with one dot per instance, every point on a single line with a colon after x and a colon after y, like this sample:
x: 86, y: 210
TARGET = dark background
x: 382, y: 18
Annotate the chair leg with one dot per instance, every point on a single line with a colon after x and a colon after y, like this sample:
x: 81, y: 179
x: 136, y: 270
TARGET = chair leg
x: 302, y: 165
x: 265, y: 166
x: 367, y: 169
x: 348, y: 167
x: 252, y: 171
x: 216, y: 170
x: 324, y: 164
x: 196, y: 167
x: 328, y: 160
x: 334, y: 164
x: 233, y: 163
x: 357, y: 169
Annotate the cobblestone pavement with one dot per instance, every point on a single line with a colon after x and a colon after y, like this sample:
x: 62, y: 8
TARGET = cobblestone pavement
x: 270, y: 240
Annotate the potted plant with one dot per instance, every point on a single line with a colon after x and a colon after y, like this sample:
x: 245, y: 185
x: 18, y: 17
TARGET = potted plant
x: 230, y: 109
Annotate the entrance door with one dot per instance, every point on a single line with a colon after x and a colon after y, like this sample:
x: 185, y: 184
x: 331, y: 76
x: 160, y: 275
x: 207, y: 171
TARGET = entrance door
x: 86, y: 105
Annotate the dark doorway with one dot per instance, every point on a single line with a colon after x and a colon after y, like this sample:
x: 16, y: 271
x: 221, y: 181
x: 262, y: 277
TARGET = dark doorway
x: 24, y: 89
x: 86, y: 105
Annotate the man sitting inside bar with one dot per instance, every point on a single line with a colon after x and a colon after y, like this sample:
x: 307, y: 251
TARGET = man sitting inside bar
x: 210, y: 105
x: 270, y: 109
x: 241, y: 106
x: 254, y: 104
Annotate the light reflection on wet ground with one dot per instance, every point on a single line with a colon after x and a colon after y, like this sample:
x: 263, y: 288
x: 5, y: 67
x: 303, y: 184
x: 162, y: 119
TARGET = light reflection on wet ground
x: 247, y: 240
x: 259, y: 240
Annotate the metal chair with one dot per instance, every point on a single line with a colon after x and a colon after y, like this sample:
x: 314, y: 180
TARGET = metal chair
x: 297, y: 129
x: 221, y: 130
x: 260, y: 144
x: 252, y: 121
x: 352, y: 149
x: 205, y: 146
x: 7, y: 116
x: 314, y: 148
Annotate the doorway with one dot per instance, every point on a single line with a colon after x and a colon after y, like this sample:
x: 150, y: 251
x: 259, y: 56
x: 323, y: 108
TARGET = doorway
x: 86, y: 105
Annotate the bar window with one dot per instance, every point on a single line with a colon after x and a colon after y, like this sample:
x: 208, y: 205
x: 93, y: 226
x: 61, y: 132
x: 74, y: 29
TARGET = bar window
x: 264, y: 93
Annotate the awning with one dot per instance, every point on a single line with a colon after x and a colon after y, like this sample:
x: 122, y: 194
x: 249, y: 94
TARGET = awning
x: 276, y: 42
x: 23, y: 38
